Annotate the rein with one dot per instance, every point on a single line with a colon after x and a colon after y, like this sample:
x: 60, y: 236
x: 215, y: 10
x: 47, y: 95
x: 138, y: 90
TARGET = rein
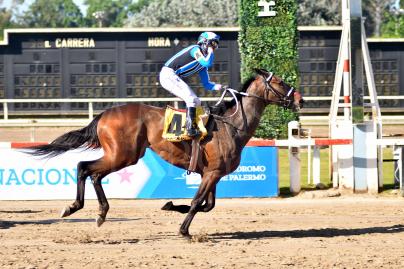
x: 284, y: 100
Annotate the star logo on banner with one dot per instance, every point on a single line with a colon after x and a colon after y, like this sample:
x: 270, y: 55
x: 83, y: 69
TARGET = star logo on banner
x: 125, y: 176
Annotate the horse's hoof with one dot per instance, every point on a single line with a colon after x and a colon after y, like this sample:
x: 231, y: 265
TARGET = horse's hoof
x: 167, y: 206
x: 185, y: 234
x: 65, y: 212
x: 100, y: 220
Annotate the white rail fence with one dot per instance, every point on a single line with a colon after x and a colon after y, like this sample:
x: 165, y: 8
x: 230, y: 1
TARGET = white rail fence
x: 91, y: 101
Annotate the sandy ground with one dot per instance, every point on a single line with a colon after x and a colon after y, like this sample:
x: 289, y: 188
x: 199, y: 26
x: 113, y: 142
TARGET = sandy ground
x: 299, y: 232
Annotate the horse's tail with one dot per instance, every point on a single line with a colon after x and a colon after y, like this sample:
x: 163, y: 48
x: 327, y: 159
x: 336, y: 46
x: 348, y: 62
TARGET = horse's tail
x: 72, y: 140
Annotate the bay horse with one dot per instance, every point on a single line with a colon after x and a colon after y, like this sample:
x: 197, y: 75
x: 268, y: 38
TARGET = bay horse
x: 124, y: 132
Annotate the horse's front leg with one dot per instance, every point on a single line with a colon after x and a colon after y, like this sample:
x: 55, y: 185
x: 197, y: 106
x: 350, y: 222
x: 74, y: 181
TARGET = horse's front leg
x: 204, y: 189
x: 210, y: 202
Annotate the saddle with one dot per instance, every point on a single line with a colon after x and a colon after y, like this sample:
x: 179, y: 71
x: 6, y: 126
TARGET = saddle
x: 174, y: 124
x: 174, y: 131
x: 174, y: 128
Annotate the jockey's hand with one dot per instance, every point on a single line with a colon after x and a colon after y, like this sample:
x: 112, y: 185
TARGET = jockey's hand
x: 218, y: 87
x: 225, y: 87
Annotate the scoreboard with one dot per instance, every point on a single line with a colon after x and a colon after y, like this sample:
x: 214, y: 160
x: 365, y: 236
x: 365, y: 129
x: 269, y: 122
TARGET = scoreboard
x: 125, y: 63
x: 101, y: 63
x: 318, y: 54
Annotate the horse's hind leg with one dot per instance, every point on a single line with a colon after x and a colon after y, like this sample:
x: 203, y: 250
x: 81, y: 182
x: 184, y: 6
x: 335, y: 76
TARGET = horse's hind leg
x: 206, y: 207
x: 97, y: 170
x: 104, y: 166
x: 82, y: 173
x: 102, y: 199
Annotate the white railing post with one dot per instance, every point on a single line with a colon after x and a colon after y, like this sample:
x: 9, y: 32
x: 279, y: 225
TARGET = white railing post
x: 90, y: 111
x: 316, y: 165
x: 5, y: 110
x: 307, y: 133
x: 32, y: 134
x: 294, y: 157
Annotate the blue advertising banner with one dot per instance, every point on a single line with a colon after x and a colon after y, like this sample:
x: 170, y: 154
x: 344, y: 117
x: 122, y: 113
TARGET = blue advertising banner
x: 256, y: 176
x: 23, y: 177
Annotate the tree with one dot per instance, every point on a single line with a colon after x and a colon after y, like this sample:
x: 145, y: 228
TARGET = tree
x: 375, y: 12
x: 193, y: 13
x: 107, y: 13
x: 6, y: 15
x: 137, y: 6
x: 393, y: 25
x: 320, y: 12
x: 55, y: 13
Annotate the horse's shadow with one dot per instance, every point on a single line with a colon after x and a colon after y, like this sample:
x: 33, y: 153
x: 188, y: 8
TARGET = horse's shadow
x: 28, y: 211
x: 5, y: 224
x: 326, y: 233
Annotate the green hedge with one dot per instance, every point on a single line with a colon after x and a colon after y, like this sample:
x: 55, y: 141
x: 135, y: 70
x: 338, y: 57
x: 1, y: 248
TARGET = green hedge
x: 270, y: 43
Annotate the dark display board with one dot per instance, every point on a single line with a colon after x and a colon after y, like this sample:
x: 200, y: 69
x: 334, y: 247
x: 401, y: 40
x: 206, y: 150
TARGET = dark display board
x: 125, y: 63
x: 101, y: 64
x: 318, y: 54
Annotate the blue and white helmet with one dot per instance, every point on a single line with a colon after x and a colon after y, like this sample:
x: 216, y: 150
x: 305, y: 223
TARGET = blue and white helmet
x: 208, y: 39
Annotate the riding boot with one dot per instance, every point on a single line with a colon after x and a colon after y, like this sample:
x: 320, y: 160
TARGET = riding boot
x: 190, y: 124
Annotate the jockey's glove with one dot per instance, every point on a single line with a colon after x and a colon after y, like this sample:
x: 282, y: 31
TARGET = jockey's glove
x: 217, y: 87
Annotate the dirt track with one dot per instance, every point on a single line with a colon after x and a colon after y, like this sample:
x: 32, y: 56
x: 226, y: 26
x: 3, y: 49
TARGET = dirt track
x: 344, y: 232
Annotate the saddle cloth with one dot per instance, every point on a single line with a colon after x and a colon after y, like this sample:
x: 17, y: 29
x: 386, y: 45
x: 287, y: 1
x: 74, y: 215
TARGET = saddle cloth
x: 174, y: 124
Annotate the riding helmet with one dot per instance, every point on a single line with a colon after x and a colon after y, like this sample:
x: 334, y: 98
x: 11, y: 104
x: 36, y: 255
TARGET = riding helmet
x: 208, y: 38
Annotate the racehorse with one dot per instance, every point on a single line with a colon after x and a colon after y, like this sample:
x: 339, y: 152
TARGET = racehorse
x: 124, y: 132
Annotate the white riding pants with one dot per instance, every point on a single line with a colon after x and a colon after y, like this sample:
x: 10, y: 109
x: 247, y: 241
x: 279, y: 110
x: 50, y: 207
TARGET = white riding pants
x: 174, y: 84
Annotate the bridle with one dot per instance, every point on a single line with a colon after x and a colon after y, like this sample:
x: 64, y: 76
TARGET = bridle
x: 284, y: 100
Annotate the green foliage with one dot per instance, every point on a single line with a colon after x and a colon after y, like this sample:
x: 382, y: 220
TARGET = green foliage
x: 273, y: 123
x: 320, y: 12
x: 53, y: 14
x: 7, y: 15
x: 375, y: 12
x: 138, y: 5
x: 393, y: 26
x: 270, y: 43
x: 185, y: 13
x: 108, y: 13
x: 5, y: 19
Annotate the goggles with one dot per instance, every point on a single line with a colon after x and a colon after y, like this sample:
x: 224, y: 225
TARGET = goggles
x: 214, y: 44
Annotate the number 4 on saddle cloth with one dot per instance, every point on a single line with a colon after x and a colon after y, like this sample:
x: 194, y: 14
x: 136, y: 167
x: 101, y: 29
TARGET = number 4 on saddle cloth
x: 174, y: 124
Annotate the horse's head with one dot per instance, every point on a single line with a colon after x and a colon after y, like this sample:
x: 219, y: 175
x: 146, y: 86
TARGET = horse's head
x: 274, y: 90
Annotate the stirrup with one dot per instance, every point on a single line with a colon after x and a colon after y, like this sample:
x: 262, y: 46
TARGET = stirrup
x: 193, y: 132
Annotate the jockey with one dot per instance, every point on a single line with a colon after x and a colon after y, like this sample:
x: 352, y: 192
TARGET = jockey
x: 195, y: 59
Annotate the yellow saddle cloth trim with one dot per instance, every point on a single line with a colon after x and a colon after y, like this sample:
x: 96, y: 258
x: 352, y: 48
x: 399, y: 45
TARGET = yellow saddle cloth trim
x: 174, y: 124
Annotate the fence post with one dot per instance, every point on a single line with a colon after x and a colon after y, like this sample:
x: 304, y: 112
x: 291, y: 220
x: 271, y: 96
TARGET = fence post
x: 294, y: 157
x: 398, y: 167
x: 90, y: 111
x: 316, y: 165
x: 5, y: 109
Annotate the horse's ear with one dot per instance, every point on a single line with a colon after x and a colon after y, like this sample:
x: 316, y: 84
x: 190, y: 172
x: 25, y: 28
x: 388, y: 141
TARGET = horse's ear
x: 261, y: 72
